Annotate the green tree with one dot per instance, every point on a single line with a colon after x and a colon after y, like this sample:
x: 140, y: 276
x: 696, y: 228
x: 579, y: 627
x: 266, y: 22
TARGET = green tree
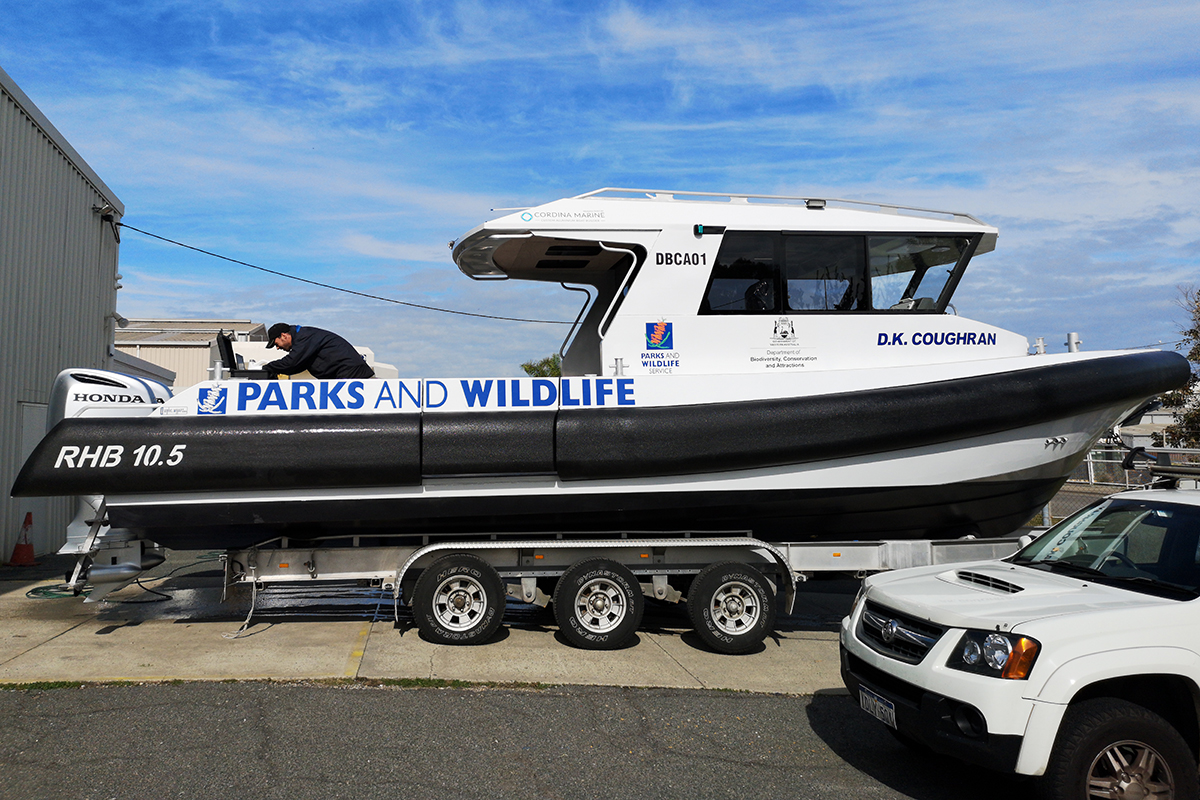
x: 548, y: 367
x: 1185, y: 402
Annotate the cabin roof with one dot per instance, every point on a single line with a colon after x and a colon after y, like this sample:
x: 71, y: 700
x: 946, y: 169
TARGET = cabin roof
x: 616, y: 215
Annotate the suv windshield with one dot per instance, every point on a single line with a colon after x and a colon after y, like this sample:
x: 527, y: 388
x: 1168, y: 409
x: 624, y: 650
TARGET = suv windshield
x: 1138, y: 543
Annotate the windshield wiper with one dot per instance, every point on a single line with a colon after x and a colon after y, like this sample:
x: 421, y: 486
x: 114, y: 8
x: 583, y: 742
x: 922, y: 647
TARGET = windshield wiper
x: 1067, y: 566
x: 1142, y: 580
x: 1178, y: 588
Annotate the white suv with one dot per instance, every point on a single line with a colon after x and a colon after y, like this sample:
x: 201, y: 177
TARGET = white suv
x: 1077, y: 658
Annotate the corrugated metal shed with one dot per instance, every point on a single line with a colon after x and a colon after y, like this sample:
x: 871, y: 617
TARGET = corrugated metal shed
x: 58, y: 267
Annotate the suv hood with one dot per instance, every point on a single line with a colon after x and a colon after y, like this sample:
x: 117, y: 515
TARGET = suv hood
x: 996, y: 594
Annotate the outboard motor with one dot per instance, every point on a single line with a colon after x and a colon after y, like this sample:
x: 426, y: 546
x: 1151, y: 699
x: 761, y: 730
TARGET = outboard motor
x: 111, y: 559
x: 108, y: 558
x: 99, y: 393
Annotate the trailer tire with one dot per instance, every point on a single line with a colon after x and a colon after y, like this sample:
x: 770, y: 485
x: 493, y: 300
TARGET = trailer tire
x: 459, y: 599
x: 598, y: 604
x: 732, y: 607
x: 1096, y: 735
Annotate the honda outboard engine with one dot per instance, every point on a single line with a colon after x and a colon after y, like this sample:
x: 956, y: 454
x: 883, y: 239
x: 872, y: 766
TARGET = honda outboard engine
x: 99, y: 393
x: 109, y: 558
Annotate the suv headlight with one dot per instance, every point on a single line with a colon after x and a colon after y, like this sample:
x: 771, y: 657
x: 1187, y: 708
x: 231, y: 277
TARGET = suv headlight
x: 1000, y: 655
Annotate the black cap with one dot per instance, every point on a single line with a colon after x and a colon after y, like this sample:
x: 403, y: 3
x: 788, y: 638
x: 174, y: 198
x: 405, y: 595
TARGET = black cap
x: 276, y: 331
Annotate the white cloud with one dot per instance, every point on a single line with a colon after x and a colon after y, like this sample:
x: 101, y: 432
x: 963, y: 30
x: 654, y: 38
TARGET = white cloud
x: 348, y: 143
x: 366, y: 245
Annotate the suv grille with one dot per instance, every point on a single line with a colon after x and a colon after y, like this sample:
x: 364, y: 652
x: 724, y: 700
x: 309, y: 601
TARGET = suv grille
x: 897, y: 635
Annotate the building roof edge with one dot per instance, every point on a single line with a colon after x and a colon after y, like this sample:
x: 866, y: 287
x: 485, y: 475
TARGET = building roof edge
x: 31, y: 110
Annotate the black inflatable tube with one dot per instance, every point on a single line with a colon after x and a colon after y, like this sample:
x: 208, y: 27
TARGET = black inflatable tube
x: 466, y: 443
x: 320, y: 451
x: 627, y: 443
x: 226, y: 453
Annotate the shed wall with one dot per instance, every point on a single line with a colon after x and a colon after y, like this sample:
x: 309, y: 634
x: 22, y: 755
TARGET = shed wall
x: 58, y: 265
x: 190, y: 363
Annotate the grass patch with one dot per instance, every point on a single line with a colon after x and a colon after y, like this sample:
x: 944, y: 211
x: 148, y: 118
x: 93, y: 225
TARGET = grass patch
x: 397, y: 683
x: 419, y: 683
x: 443, y: 683
x: 41, y: 686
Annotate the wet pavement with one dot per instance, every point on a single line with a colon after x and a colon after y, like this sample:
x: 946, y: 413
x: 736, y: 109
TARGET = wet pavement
x: 175, y: 626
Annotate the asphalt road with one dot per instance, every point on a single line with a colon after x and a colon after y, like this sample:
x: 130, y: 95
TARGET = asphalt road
x: 299, y: 740
x: 295, y: 741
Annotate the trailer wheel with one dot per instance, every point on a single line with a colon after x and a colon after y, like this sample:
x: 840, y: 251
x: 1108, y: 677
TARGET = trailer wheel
x: 732, y: 607
x: 459, y: 599
x: 598, y: 604
x: 1113, y: 748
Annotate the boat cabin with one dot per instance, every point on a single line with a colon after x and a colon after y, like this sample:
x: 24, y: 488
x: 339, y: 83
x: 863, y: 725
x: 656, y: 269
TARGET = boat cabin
x: 691, y: 283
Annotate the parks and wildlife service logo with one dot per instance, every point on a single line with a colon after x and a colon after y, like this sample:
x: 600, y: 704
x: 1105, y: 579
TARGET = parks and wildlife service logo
x: 660, y: 336
x: 211, y: 401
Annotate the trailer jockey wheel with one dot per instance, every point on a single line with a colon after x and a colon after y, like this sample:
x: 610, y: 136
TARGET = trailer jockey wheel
x: 732, y: 607
x: 459, y: 599
x: 598, y: 604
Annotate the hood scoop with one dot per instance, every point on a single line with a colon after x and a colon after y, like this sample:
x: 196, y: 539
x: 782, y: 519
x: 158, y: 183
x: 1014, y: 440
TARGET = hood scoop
x: 988, y: 582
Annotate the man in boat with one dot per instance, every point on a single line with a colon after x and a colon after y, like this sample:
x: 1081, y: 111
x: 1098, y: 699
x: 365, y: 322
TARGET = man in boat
x: 321, y: 352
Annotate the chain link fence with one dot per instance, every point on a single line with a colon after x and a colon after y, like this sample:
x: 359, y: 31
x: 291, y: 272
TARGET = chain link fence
x: 1102, y: 474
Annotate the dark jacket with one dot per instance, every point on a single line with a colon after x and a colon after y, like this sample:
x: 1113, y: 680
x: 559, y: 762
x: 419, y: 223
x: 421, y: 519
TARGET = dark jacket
x: 323, y: 353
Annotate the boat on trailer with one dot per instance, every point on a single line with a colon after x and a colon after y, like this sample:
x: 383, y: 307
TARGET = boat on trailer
x: 788, y: 368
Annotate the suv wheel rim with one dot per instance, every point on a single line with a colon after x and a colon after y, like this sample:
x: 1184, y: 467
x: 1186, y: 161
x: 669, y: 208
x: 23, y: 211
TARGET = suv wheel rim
x: 1130, y: 769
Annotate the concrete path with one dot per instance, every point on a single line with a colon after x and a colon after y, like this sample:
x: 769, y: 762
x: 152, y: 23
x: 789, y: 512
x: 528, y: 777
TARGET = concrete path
x: 314, y: 633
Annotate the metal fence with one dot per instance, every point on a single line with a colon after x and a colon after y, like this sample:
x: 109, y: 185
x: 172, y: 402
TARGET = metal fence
x: 1101, y: 474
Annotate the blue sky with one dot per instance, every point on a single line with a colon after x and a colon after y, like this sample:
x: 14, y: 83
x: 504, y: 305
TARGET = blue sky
x: 348, y: 142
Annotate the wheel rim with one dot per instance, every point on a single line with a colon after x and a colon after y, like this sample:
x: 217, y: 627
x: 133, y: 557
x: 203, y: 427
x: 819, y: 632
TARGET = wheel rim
x: 459, y: 603
x: 600, y: 605
x: 735, y: 608
x: 1130, y: 769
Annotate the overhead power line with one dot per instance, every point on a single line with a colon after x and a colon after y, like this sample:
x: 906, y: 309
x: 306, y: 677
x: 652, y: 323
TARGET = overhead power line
x: 340, y: 288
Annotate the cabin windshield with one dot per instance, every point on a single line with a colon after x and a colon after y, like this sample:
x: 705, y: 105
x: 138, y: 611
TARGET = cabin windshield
x: 902, y: 268
x: 768, y: 272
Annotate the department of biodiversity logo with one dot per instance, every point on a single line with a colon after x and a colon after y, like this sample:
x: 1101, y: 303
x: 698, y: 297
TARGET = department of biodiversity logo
x: 211, y: 401
x: 659, y: 336
x: 784, y: 331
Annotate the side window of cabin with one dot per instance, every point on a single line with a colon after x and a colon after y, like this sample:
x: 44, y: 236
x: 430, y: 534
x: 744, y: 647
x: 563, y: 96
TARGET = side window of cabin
x: 909, y: 272
x: 745, y: 276
x: 825, y: 273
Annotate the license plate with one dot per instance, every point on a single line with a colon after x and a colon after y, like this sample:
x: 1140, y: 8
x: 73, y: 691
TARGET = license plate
x: 878, y: 707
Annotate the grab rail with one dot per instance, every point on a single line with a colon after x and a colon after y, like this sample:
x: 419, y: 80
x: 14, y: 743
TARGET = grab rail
x: 733, y: 197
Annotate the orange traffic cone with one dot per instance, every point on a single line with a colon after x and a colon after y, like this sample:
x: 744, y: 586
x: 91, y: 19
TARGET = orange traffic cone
x: 23, y: 551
